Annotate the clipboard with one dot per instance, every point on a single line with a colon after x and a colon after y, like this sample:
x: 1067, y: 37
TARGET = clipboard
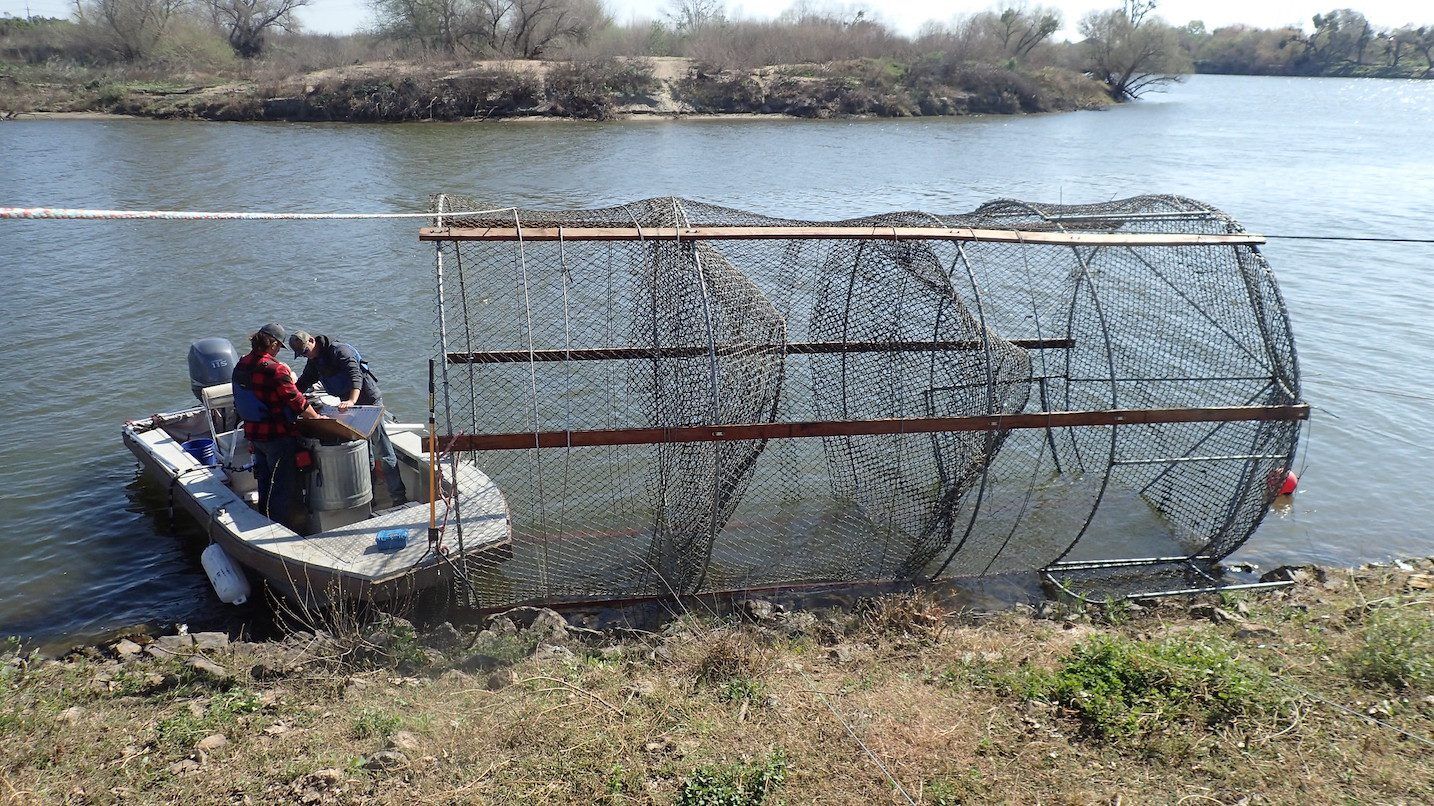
x: 357, y: 423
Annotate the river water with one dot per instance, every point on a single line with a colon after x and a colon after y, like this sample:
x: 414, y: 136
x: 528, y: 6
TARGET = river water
x: 96, y: 317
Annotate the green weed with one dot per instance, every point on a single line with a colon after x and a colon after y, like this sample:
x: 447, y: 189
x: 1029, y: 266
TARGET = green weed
x: 371, y: 724
x: 229, y: 704
x: 734, y: 784
x: 616, y: 781
x: 1122, y: 688
x: 185, y: 727
x: 504, y: 649
x: 1023, y: 681
x: 742, y: 688
x: 954, y: 788
x: 1398, y: 651
x: 182, y: 730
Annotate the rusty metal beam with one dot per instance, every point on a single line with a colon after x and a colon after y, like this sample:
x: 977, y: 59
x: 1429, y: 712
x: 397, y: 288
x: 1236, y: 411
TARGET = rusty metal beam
x: 829, y: 428
x: 796, y: 348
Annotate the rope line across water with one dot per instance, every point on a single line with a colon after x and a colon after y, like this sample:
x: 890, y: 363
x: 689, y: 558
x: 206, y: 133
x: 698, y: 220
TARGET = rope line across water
x: 36, y: 213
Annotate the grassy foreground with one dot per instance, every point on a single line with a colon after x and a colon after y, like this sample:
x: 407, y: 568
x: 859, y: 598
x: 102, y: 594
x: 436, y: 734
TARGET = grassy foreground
x: 1268, y: 698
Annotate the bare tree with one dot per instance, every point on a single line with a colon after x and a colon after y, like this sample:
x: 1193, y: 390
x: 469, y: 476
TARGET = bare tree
x: 1131, y: 51
x: 529, y: 29
x: 132, y: 27
x: 436, y: 26
x: 1137, y: 10
x: 523, y: 28
x: 532, y: 27
x: 690, y: 16
x: 248, y: 22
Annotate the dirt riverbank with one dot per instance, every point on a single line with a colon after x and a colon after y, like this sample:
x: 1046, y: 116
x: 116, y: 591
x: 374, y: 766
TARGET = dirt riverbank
x: 513, y: 89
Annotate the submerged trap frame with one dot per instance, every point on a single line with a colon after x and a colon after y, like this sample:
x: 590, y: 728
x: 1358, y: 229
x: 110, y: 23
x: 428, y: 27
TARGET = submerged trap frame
x: 678, y: 398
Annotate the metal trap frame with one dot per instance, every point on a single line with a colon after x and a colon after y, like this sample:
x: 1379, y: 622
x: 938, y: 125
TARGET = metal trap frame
x: 678, y: 398
x: 1194, y: 573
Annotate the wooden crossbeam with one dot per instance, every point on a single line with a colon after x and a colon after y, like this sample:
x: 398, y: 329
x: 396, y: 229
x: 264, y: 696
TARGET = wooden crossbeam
x: 795, y: 348
x: 546, y: 233
x: 827, y: 428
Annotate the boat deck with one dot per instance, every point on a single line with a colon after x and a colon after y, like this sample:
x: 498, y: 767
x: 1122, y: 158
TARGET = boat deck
x: 347, y: 555
x: 352, y: 549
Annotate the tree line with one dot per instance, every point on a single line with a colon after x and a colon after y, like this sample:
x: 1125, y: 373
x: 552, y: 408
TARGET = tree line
x: 1342, y: 42
x: 1128, y: 47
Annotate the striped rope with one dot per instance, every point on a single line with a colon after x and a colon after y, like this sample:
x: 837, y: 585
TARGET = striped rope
x: 184, y: 215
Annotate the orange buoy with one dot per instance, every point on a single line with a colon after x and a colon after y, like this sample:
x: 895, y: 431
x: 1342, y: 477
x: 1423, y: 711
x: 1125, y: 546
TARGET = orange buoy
x: 1291, y: 482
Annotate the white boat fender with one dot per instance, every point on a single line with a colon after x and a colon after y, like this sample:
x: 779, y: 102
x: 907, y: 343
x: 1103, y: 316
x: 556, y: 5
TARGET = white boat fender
x: 230, y: 584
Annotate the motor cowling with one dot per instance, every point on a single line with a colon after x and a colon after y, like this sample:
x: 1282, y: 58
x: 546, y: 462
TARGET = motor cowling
x: 211, y: 362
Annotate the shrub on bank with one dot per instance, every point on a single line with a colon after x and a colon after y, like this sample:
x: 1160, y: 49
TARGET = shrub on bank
x: 930, y: 85
x: 488, y: 93
x: 712, y: 91
x: 593, y: 89
x: 981, y: 88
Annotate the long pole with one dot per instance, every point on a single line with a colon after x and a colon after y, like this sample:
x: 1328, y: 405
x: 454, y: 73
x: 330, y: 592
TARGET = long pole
x: 432, y: 460
x: 867, y: 233
x: 673, y: 435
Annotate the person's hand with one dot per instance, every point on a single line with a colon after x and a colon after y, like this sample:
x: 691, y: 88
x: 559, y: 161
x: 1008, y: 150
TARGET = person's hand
x: 344, y: 405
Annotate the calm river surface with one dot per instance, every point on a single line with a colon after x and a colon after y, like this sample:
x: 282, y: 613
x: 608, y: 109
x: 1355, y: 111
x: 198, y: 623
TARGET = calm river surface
x: 96, y: 317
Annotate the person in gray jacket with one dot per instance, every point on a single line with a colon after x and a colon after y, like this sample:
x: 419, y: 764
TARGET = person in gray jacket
x: 346, y: 375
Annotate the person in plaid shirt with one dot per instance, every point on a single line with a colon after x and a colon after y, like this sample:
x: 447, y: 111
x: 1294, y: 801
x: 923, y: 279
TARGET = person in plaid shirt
x: 269, y: 403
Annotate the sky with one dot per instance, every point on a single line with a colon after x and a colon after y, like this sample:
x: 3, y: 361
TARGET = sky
x: 343, y: 16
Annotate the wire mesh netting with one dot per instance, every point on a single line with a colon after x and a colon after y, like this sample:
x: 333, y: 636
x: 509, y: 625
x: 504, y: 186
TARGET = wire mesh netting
x: 571, y: 336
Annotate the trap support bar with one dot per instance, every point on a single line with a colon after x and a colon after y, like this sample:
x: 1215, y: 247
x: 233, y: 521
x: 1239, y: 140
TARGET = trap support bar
x: 702, y: 351
x: 839, y: 428
x: 1034, y: 238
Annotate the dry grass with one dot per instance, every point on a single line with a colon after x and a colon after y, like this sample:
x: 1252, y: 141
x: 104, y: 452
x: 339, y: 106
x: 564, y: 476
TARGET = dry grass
x: 954, y: 711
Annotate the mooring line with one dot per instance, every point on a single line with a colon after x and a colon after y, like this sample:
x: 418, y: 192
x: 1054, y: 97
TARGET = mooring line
x: 1364, y: 238
x: 852, y: 733
x: 1341, y: 707
x: 201, y: 215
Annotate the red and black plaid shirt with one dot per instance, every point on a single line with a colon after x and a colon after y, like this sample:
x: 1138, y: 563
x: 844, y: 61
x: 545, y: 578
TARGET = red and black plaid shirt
x: 273, y: 384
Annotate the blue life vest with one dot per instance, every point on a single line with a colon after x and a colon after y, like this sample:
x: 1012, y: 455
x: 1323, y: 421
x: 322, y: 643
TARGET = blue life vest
x: 247, y: 404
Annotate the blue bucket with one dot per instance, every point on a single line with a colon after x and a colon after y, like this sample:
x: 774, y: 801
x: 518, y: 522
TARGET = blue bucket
x: 202, y: 450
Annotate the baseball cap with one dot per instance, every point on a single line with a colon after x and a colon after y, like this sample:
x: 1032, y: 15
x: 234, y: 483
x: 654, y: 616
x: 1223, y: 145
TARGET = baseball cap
x: 273, y: 330
x: 299, y: 342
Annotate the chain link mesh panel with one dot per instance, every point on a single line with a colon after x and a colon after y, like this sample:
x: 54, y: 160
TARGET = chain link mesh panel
x: 667, y: 333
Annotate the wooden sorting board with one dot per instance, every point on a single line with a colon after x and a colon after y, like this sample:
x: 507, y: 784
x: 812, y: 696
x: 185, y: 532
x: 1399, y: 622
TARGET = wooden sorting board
x: 356, y: 423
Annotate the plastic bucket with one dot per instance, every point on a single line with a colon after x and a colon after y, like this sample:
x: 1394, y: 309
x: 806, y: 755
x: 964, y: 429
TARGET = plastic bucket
x: 202, y: 450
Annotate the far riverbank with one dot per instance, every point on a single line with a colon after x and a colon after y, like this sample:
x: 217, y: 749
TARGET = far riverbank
x: 395, y: 91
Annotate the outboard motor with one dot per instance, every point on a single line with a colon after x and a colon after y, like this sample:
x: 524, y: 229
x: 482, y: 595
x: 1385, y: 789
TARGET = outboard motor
x: 211, y: 361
